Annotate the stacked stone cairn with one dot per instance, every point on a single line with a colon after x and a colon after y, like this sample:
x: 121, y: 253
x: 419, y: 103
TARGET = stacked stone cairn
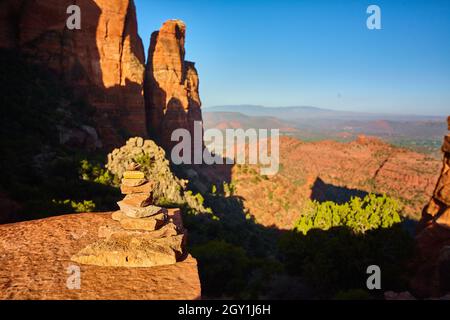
x: 141, y: 234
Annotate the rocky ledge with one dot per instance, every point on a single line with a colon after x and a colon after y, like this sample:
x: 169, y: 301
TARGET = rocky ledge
x: 432, y: 265
x: 35, y: 260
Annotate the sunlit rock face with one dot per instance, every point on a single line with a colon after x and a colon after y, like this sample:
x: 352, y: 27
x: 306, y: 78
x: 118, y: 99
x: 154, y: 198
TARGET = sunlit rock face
x: 433, y: 239
x: 102, y: 62
x: 171, y: 84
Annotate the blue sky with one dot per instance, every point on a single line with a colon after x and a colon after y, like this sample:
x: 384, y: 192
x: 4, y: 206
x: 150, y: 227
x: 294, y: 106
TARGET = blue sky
x: 315, y: 53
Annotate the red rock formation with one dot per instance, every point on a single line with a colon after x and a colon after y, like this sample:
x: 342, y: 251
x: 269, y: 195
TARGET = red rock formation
x: 432, y: 276
x: 171, y: 84
x: 104, y: 61
x: 337, y: 171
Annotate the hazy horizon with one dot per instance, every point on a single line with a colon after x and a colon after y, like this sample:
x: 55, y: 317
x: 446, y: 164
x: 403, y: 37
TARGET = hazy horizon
x: 444, y: 115
x: 320, y: 53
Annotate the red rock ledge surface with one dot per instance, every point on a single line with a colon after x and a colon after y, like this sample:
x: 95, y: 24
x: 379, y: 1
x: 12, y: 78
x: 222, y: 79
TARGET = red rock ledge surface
x: 35, y: 257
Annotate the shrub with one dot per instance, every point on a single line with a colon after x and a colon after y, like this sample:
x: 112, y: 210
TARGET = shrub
x: 96, y: 173
x: 360, y: 215
x: 229, y: 189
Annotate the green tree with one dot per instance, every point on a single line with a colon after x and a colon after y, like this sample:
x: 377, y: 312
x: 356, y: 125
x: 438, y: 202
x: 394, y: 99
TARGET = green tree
x: 360, y: 215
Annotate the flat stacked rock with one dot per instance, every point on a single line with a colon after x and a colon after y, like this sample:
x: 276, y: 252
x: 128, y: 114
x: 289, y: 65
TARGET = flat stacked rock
x: 140, y: 233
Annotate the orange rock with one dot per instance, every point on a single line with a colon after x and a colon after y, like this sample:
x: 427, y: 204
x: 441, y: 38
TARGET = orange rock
x: 131, y: 183
x: 433, y: 208
x: 108, y: 230
x: 171, y: 84
x: 146, y: 188
x: 444, y: 194
x: 124, y: 250
x: 118, y: 215
x: 140, y: 212
x: 137, y: 200
x: 168, y: 230
x: 104, y: 61
x: 148, y: 224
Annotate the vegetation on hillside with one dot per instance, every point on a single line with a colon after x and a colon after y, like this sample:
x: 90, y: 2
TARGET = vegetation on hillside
x: 359, y: 215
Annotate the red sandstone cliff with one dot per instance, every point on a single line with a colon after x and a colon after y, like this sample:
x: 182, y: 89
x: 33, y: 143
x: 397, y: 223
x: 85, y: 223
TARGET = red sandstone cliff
x: 104, y: 61
x: 171, y: 84
x: 432, y: 276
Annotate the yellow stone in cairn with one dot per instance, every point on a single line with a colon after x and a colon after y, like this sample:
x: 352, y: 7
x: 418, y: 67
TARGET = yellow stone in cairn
x: 133, y: 175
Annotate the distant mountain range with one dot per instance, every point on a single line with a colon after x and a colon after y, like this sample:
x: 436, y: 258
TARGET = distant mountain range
x: 418, y: 132
x: 236, y: 120
x: 298, y: 113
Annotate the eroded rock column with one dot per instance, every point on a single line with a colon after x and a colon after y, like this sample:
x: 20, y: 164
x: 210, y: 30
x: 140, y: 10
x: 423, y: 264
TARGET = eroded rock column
x: 432, y: 264
x: 171, y: 84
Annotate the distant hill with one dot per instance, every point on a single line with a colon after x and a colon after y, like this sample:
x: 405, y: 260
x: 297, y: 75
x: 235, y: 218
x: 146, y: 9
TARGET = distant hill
x: 296, y: 113
x: 419, y: 133
x: 237, y: 120
x: 335, y: 171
